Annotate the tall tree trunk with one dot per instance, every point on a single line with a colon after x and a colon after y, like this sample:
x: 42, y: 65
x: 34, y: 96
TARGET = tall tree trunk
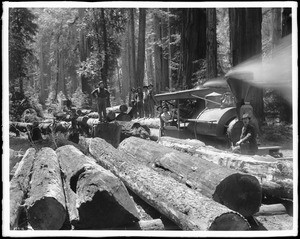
x: 211, y: 42
x: 286, y: 22
x: 133, y: 81
x: 140, y: 71
x: 149, y: 61
x: 104, y: 72
x: 254, y: 48
x: 276, y: 26
x: 157, y: 52
x: 194, y: 42
x: 245, y: 41
x: 84, y: 53
x: 42, y: 78
x: 125, y: 66
x: 286, y: 113
x: 165, y: 53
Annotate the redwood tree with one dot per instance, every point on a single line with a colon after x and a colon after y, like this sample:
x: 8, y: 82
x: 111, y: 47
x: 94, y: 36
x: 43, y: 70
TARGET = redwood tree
x: 246, y: 42
x: 140, y: 70
x: 211, y: 43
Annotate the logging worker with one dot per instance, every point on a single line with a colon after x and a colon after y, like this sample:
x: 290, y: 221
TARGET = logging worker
x: 166, y: 116
x: 146, y: 101
x: 133, y: 103
x: 102, y: 96
x: 139, y: 103
x: 247, y: 142
x: 152, y: 101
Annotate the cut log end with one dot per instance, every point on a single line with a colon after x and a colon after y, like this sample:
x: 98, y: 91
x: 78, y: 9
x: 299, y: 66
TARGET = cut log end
x: 46, y: 214
x: 229, y: 222
x: 239, y: 192
x: 94, y: 214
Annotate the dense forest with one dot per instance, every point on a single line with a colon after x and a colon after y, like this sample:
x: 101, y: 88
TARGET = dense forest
x: 62, y: 53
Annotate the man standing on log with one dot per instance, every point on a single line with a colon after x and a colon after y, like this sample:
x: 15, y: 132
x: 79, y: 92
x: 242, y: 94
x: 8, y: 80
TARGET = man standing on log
x: 247, y: 140
x: 102, y: 96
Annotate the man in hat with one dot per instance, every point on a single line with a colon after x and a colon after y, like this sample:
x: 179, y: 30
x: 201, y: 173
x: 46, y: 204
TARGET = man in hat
x: 152, y: 100
x: 139, y: 103
x: 146, y: 101
x: 247, y: 142
x: 102, y: 96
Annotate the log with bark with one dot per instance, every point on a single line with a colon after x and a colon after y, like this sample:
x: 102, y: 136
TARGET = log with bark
x: 262, y: 166
x: 83, y: 112
x: 96, y: 199
x: 274, y: 175
x: 187, y: 208
x: 239, y: 192
x: 149, y: 122
x: 15, y: 157
x: 135, y: 129
x: 46, y: 199
x: 19, y: 186
x: 17, y: 127
x: 111, y: 132
x: 272, y: 209
x: 147, y: 225
x: 117, y: 108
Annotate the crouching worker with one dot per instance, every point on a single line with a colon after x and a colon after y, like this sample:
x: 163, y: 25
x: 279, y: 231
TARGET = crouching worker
x: 247, y: 142
x: 102, y: 96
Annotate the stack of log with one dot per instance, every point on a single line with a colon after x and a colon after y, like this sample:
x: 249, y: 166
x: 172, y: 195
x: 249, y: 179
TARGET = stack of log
x: 275, y: 175
x: 86, y: 123
x: 186, y: 207
x: 66, y: 189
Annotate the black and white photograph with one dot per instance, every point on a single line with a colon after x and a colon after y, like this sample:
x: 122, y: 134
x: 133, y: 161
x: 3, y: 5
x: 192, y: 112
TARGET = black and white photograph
x: 150, y: 119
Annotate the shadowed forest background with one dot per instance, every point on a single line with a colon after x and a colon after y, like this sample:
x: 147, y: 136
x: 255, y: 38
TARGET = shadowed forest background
x: 62, y: 53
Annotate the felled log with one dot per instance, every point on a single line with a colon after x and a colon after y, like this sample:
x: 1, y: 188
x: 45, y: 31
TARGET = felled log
x: 149, y: 122
x: 272, y: 209
x: 46, y: 127
x: 147, y: 225
x: 96, y: 198
x: 14, y: 158
x: 82, y: 112
x: 261, y: 166
x: 46, y: 199
x: 239, y: 192
x: 64, y: 116
x: 93, y: 115
x: 20, y: 126
x: 187, y: 208
x: 34, y: 133
x: 82, y: 124
x: 277, y: 222
x: 111, y: 132
x: 19, y: 186
x: 270, y: 172
x: 134, y: 129
x: 117, y: 108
